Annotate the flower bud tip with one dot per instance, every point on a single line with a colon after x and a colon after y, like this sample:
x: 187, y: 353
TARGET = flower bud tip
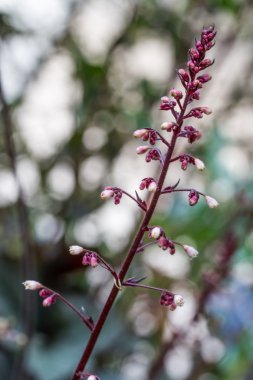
x: 155, y: 232
x: 142, y: 149
x: 178, y: 299
x: 199, y: 164
x: 152, y: 187
x: 139, y: 133
x: 75, y: 250
x: 191, y: 251
x: 32, y: 285
x: 106, y: 194
x: 211, y: 202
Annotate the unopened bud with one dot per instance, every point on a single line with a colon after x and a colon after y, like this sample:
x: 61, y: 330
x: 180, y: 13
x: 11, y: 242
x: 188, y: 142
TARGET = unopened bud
x: 199, y: 164
x: 178, y: 299
x: 211, y: 202
x: 155, y: 233
x: 205, y: 110
x: 49, y: 301
x: 191, y: 251
x: 177, y: 94
x: 165, y: 99
x: 75, y: 249
x: 139, y: 133
x: 92, y: 377
x: 32, y: 285
x: 173, y: 306
x: 152, y: 187
x: 167, y: 126
x: 142, y: 149
x: 183, y: 75
x: 93, y: 261
x: 106, y: 194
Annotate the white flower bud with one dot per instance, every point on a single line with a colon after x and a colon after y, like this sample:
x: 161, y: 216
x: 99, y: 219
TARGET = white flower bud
x: 167, y: 125
x: 139, y: 133
x: 206, y: 110
x: 192, y: 252
x: 178, y: 299
x: 142, y: 149
x: 211, y: 202
x: 75, y: 249
x: 155, y: 232
x: 199, y: 164
x: 32, y: 285
x: 106, y: 194
x: 92, y: 377
x: 152, y: 187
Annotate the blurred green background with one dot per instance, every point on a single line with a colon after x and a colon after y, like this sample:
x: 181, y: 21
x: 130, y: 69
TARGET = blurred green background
x: 78, y: 77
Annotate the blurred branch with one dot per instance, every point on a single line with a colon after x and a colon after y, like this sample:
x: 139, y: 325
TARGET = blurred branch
x: 28, y: 267
x: 212, y: 280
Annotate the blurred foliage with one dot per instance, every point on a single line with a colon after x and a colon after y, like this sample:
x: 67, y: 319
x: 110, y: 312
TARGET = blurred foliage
x: 136, y: 330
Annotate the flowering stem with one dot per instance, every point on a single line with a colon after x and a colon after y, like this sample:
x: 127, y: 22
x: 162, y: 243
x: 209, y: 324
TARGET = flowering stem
x: 108, y: 267
x: 86, y: 320
x: 134, y: 199
x: 134, y: 247
x: 142, y: 247
x: 163, y: 139
x: 178, y: 158
x: 132, y: 284
x: 180, y: 190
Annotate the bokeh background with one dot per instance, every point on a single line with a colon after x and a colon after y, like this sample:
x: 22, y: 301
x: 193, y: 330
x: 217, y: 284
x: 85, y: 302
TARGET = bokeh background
x: 77, y: 78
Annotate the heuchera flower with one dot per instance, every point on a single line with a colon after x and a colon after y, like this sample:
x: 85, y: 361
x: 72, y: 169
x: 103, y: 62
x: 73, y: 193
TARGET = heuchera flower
x: 211, y: 202
x: 32, y: 285
x: 75, y: 249
x: 49, y: 300
x: 166, y: 299
x: 90, y: 258
x: 191, y: 251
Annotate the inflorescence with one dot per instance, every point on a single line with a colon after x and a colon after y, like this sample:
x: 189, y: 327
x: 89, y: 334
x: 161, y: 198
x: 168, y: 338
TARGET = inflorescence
x: 177, y: 103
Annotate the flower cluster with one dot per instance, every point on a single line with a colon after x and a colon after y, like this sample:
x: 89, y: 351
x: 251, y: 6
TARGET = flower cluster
x: 112, y: 192
x: 162, y: 240
x: 146, y: 134
x: 90, y: 258
x: 149, y: 184
x: 171, y: 300
x: 176, y: 105
x: 49, y: 297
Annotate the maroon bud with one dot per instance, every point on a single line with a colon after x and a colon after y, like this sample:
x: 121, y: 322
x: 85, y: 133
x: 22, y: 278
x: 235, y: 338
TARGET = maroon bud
x: 145, y: 137
x: 184, y: 164
x: 192, y: 67
x: 183, y: 75
x: 204, y: 78
x: 45, y: 293
x: 153, y: 137
x: 205, y: 63
x: 172, y: 247
x: 199, y: 46
x: 153, y: 154
x: 49, y: 300
x: 90, y: 258
x: 143, y: 184
x: 193, y: 197
x: 195, y: 95
x: 167, y: 298
x: 194, y: 54
x: 177, y: 94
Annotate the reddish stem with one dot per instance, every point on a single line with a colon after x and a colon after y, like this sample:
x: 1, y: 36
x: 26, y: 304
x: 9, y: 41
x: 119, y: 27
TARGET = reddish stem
x: 181, y: 190
x: 133, y: 249
x: 136, y: 285
x: 86, y: 320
